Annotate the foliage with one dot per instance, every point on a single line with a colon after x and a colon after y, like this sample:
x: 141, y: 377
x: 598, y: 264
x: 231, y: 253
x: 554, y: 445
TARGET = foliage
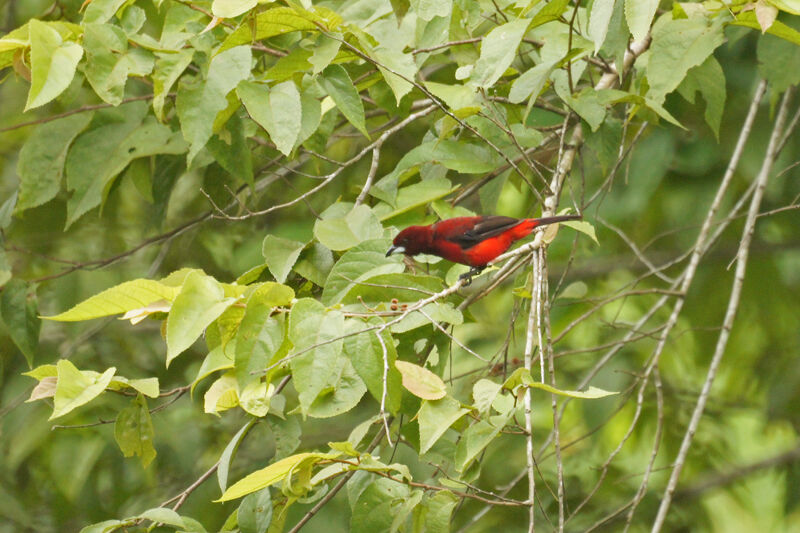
x: 226, y: 177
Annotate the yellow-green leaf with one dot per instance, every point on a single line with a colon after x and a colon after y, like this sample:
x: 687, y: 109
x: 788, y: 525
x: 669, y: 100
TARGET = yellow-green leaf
x: 75, y: 388
x: 125, y: 297
x: 270, y: 475
x: 420, y: 381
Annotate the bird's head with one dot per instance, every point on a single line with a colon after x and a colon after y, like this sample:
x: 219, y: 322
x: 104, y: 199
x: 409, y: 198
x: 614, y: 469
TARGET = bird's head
x: 411, y: 241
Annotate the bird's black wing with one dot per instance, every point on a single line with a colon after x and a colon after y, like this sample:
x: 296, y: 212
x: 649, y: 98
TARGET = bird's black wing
x: 486, y: 228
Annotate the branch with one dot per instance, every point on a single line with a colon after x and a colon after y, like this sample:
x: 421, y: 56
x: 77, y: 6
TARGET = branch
x: 81, y: 109
x: 730, y: 314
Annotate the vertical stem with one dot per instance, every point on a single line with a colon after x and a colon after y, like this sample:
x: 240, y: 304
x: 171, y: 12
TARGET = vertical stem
x: 545, y: 351
x: 531, y: 467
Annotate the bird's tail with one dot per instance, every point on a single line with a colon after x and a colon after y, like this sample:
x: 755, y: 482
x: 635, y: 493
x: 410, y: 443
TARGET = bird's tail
x: 553, y: 220
x: 529, y: 224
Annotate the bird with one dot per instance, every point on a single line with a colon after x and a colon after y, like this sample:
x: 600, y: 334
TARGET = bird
x: 473, y: 241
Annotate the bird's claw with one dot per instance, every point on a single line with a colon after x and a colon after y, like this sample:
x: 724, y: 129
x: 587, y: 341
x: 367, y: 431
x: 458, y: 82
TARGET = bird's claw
x: 467, y: 276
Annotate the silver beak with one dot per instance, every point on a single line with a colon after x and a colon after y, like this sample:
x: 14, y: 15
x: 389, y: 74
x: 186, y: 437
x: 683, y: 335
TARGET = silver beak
x: 395, y: 250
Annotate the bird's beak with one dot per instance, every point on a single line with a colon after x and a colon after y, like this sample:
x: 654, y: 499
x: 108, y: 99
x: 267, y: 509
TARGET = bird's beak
x: 395, y: 250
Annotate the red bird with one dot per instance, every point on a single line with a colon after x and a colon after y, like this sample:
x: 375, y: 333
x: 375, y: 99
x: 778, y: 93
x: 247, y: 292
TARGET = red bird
x: 472, y: 241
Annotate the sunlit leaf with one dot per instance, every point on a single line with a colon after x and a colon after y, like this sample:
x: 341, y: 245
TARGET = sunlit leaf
x: 53, y: 63
x: 420, y: 381
x: 127, y: 296
x: 639, y: 14
x: 270, y: 475
x: 76, y: 388
x: 200, y: 301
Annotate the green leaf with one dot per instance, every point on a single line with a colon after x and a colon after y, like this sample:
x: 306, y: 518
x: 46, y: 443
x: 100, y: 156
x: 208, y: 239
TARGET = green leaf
x: 522, y: 377
x: 280, y: 255
x: 420, y: 381
x: 231, y: 8
x: 678, y: 45
x: 256, y: 397
x: 53, y: 63
x: 229, y: 147
x: 278, y: 21
x: 229, y: 452
x: 19, y: 315
x: 575, y: 290
x: 477, y: 437
x: 134, y: 433
x: 599, y: 19
x: 75, y: 388
x: 391, y: 61
x: 421, y: 193
x: 531, y: 82
x: 200, y: 301
x: 315, y: 263
x: 104, y: 527
x: 312, y: 115
x: 383, y: 288
x: 428, y: 9
x: 639, y: 14
x: 286, y: 433
x: 360, y: 263
x: 343, y: 392
x: 463, y: 157
x: 99, y: 11
x: 168, y: 68
x: 108, y: 62
x: 221, y: 395
x: 255, y: 512
x: 200, y: 102
x: 325, y: 51
x: 124, y: 297
x: 314, y: 329
x: 366, y: 354
x: 605, y: 142
x: 340, y: 88
x: 778, y: 63
x: 374, y: 510
x: 584, y: 227
x: 5, y: 268
x: 436, y: 417
x: 277, y: 109
x: 440, y: 507
x: 709, y: 80
x: 436, y: 311
x: 98, y: 155
x: 455, y: 96
x: 41, y: 160
x: 549, y: 12
x: 498, y: 49
x: 216, y: 360
x: 483, y: 393
x: 778, y: 28
x: 342, y: 233
x: 147, y: 386
x: 270, y: 475
x: 163, y: 515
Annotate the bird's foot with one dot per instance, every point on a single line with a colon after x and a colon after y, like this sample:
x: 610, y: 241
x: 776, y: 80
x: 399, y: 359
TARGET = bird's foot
x: 467, y: 276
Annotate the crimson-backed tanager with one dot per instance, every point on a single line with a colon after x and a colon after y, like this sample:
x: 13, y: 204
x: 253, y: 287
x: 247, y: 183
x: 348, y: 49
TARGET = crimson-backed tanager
x: 472, y: 241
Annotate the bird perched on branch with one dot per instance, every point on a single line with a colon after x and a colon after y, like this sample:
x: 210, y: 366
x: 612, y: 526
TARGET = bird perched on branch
x: 471, y: 241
